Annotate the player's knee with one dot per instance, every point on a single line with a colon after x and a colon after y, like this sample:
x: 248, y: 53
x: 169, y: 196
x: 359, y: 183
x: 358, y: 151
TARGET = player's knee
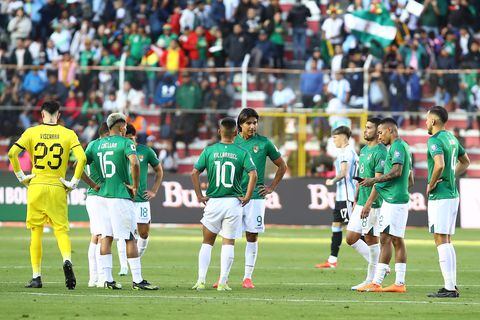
x: 251, y: 237
x: 440, y: 239
x: 352, y: 238
x: 143, y: 234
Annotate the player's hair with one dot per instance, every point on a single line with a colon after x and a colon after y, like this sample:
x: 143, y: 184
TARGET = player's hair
x: 51, y: 106
x: 441, y: 112
x: 389, y: 121
x: 228, y: 124
x: 375, y: 120
x: 103, y: 129
x: 131, y: 130
x: 342, y: 130
x: 244, y: 115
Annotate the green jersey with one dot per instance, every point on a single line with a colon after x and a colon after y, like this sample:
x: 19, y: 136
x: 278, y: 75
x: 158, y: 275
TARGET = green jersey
x: 372, y: 161
x: 92, y: 170
x: 225, y: 164
x: 396, y: 190
x: 445, y: 144
x: 260, y: 148
x: 110, y: 155
x: 146, y: 156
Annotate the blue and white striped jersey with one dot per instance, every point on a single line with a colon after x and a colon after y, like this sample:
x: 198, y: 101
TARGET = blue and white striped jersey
x: 346, y: 186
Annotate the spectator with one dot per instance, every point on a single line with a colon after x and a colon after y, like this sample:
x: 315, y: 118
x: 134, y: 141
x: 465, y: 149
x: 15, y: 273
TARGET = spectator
x: 138, y: 42
x: 20, y: 55
x: 196, y: 46
x: 317, y: 56
x: 252, y: 25
x: 283, y: 97
x: 332, y: 27
x: 217, y: 50
x: 472, y: 59
x: 322, y: 165
x: 19, y: 26
x: 397, y: 90
x: 67, y: 69
x: 311, y: 84
x: 72, y: 109
x: 263, y: 51
x: 87, y: 59
x: 187, y: 97
x: 91, y: 109
x: 414, y: 95
x: 202, y: 16
x: 338, y: 60
x: 150, y: 60
x: 34, y: 83
x: 297, y: 17
x: 55, y: 89
x: 52, y: 54
x: 414, y: 55
x: 278, y: 31
x: 165, y: 99
x: 237, y: 45
x: 129, y: 99
x: 90, y: 131
x: 173, y: 59
x: 474, y: 105
x: 110, y: 104
x: 140, y: 124
x: 430, y: 18
x: 465, y: 41
x: 241, y: 10
x: 339, y: 88
x: 377, y: 93
x: 61, y: 38
x: 166, y: 36
x: 187, y: 19
x: 218, y: 12
x: 86, y: 33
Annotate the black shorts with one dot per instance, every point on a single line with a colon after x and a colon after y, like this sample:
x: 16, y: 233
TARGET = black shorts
x: 340, y: 213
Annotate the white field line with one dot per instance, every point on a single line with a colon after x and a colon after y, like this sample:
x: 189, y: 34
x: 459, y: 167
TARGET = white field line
x: 227, y: 297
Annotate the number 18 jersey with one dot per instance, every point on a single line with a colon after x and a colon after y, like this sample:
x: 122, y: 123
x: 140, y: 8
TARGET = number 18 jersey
x: 225, y: 164
x: 49, y: 147
x: 110, y: 156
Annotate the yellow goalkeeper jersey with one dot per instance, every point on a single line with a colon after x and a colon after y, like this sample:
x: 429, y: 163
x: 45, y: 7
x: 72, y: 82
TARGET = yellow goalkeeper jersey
x: 49, y: 146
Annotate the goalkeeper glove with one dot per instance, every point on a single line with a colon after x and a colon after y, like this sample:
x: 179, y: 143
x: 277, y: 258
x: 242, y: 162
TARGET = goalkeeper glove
x: 72, y: 184
x: 24, y: 179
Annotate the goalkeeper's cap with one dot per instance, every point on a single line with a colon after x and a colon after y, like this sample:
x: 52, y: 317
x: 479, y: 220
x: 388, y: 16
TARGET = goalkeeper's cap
x: 115, y: 118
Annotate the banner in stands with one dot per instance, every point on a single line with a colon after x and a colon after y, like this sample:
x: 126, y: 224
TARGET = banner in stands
x: 297, y: 201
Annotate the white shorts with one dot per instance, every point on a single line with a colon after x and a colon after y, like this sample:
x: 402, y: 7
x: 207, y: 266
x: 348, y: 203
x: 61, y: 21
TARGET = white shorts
x: 392, y: 219
x: 367, y: 226
x: 119, y: 219
x: 95, y: 209
x: 142, y: 212
x: 223, y: 216
x: 253, y: 216
x: 442, y: 215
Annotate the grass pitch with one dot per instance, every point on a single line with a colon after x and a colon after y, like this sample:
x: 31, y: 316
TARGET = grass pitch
x: 287, y: 284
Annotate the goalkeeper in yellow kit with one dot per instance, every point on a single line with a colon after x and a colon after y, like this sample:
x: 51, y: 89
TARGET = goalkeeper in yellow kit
x: 49, y: 145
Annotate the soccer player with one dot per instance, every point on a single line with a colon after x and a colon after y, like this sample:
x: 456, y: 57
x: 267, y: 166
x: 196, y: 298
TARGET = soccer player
x: 260, y: 148
x: 371, y: 164
x: 94, y: 208
x: 146, y: 156
x: 446, y: 159
x: 392, y: 187
x: 226, y: 163
x: 116, y: 157
x: 345, y: 168
x: 49, y: 146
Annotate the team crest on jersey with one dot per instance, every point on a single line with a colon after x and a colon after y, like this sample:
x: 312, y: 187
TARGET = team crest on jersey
x: 140, y: 157
x: 396, y: 154
x: 433, y: 147
x: 255, y: 149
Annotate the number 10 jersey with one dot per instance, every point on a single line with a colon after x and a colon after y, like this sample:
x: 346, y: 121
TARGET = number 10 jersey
x: 110, y: 156
x: 49, y: 146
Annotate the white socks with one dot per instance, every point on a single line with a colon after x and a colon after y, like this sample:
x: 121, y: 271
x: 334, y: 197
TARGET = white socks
x: 251, y: 251
x: 226, y: 262
x: 332, y: 259
x: 92, y: 262
x: 362, y: 248
x: 100, y: 275
x: 380, y: 273
x: 374, y: 253
x: 142, y: 245
x: 122, y: 253
x: 136, y: 269
x: 204, y: 256
x: 447, y: 260
x: 400, y: 270
x: 107, y: 267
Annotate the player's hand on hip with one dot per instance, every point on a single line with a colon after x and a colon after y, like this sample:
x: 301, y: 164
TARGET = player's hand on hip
x: 24, y: 179
x: 329, y: 182
x: 365, y: 211
x: 367, y: 182
x: 96, y: 188
x: 430, y: 189
x: 244, y: 200
x: 203, y: 199
x: 70, y: 185
x: 264, y: 190
x: 132, y: 190
x: 149, y: 194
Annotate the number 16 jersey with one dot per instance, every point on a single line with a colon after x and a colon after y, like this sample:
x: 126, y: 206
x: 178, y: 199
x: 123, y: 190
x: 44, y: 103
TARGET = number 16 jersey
x: 225, y: 164
x: 49, y: 147
x: 110, y: 157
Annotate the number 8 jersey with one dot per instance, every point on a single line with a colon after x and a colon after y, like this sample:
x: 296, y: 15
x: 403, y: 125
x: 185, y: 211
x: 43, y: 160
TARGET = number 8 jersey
x: 110, y: 157
x: 225, y: 164
x: 49, y: 146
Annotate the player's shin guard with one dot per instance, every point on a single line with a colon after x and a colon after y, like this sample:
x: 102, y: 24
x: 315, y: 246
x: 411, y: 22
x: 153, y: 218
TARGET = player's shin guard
x: 374, y: 253
x: 122, y: 254
x: 362, y: 248
x: 64, y: 244
x: 36, y: 251
x: 92, y: 262
x: 204, y: 256
x: 380, y: 273
x: 445, y: 261
x: 251, y: 251
x: 136, y: 269
x: 142, y: 245
x: 226, y: 262
x: 335, y: 245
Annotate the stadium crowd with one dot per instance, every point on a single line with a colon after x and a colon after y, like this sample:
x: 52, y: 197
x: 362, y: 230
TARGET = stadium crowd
x: 61, y: 38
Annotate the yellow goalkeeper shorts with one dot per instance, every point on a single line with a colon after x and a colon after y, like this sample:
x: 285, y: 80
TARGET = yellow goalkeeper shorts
x: 47, y: 204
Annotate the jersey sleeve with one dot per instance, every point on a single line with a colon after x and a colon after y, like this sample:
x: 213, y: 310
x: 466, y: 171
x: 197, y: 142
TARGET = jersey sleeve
x: 434, y: 147
x: 130, y: 148
x: 248, y: 163
x: 342, y: 156
x: 380, y: 161
x: 201, y: 163
x: 152, y: 158
x: 24, y: 141
x: 272, y: 151
x: 398, y: 153
x: 461, y: 150
x: 74, y: 142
